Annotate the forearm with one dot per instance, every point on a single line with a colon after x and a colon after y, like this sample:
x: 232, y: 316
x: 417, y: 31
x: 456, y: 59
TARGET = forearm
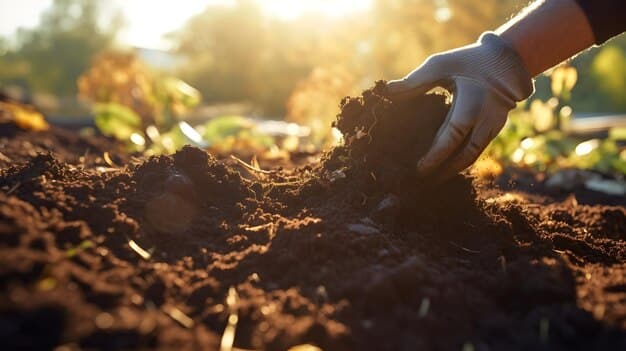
x: 548, y: 33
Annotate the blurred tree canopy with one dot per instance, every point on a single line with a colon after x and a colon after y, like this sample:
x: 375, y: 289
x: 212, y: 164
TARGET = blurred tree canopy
x: 407, y: 31
x: 51, y: 56
x: 236, y: 53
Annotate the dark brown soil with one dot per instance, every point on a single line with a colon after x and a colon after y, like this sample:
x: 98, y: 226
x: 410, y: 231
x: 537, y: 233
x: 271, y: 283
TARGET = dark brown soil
x: 18, y: 146
x: 352, y: 253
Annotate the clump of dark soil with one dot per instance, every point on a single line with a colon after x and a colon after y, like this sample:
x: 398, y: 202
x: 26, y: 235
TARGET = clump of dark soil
x: 390, y: 137
x: 383, y: 140
x: 352, y: 253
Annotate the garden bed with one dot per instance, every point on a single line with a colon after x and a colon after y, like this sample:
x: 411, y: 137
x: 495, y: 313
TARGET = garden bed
x: 353, y: 252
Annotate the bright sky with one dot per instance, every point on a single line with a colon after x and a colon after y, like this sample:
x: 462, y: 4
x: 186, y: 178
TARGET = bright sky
x: 148, y: 20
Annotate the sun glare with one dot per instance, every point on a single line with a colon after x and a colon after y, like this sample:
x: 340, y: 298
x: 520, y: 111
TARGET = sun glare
x: 147, y: 21
x: 291, y: 9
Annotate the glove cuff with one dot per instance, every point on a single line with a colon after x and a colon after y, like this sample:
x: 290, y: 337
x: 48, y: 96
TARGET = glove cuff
x: 508, y: 72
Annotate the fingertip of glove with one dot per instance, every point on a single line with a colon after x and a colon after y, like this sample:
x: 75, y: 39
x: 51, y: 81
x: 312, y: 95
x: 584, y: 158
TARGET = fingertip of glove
x: 396, y: 86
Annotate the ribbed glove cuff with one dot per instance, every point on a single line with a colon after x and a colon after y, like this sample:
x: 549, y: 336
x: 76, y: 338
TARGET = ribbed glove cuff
x: 506, y: 68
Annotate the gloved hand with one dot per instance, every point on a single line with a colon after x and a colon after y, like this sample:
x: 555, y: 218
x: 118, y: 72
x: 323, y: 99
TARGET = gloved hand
x: 486, y: 80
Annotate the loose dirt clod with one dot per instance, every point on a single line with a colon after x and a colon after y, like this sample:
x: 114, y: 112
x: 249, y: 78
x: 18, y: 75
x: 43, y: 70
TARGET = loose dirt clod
x: 387, y: 134
x: 351, y: 253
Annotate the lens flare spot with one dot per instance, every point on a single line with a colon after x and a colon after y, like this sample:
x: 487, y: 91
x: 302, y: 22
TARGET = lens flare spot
x: 586, y: 147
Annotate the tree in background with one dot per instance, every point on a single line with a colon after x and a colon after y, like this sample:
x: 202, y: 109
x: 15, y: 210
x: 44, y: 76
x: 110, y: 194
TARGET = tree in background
x: 51, y: 56
x: 236, y: 53
x: 408, y: 31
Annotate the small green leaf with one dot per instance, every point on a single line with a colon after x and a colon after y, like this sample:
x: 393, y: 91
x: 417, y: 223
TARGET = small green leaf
x: 222, y: 127
x: 182, y: 92
x: 116, y: 120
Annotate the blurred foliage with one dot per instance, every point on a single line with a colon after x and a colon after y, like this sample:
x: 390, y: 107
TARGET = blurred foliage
x: 244, y: 55
x: 601, y: 85
x: 116, y: 120
x: 51, y: 56
x: 121, y: 78
x: 315, y: 100
x: 609, y: 67
x: 130, y: 102
x: 23, y: 116
x: 227, y: 133
x: 147, y: 110
x: 236, y: 53
x: 533, y: 136
x: 405, y: 32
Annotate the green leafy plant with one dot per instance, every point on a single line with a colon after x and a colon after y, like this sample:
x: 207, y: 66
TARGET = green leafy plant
x: 134, y: 105
x: 118, y: 121
x: 147, y: 111
x: 535, y: 136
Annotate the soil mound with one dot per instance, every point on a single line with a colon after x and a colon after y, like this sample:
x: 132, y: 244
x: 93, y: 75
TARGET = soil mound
x: 18, y: 145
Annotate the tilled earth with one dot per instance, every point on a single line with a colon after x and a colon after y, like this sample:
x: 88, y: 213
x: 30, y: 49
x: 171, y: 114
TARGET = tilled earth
x: 349, y: 253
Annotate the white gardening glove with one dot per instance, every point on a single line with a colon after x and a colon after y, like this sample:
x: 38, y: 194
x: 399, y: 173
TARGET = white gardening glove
x: 486, y: 80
